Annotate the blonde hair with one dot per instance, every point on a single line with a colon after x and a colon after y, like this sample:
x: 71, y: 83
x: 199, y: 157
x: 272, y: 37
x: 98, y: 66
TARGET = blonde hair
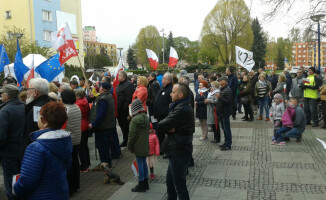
x: 143, y: 80
x: 281, y: 78
x: 215, y: 84
x: 53, y: 88
x: 262, y: 75
x: 80, y: 93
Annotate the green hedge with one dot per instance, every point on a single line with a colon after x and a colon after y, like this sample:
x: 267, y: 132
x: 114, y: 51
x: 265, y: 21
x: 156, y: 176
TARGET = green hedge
x: 71, y: 70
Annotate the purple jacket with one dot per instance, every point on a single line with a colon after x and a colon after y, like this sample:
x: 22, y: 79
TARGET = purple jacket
x: 288, y: 116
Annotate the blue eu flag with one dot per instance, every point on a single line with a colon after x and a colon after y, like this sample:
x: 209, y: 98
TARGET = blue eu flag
x: 50, y: 68
x: 19, y: 67
x: 4, y: 60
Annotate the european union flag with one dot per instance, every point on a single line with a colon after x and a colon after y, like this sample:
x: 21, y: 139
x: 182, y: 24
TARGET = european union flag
x: 4, y: 60
x: 19, y: 67
x: 50, y: 68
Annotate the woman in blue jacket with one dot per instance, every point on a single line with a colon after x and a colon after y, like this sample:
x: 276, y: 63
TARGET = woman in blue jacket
x: 46, y: 160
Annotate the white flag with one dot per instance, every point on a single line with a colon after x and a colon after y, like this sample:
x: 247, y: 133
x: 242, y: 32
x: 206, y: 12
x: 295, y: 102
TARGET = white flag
x: 244, y: 58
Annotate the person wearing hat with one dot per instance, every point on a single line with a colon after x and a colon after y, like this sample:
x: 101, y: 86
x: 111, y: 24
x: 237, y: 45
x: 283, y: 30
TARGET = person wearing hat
x: 224, y: 111
x: 138, y: 142
x: 102, y: 121
x: 310, y: 95
x: 12, y: 120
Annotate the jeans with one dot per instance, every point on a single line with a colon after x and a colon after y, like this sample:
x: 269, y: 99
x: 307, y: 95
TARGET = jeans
x: 234, y: 105
x: 10, y: 167
x: 225, y: 122
x: 310, y: 110
x: 176, y: 178
x: 238, y: 102
x: 263, y: 103
x: 83, y: 151
x: 279, y: 133
x: 102, y: 143
x: 73, y: 173
x: 142, y: 168
x: 114, y: 144
x: 294, y: 133
x: 248, y: 110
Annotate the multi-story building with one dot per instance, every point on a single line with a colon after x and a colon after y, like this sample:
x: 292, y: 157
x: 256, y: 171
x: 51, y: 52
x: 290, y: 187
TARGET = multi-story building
x: 95, y: 47
x: 306, y: 54
x: 89, y: 34
x: 39, y: 18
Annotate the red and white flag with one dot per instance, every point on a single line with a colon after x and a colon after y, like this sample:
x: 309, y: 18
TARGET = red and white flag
x: 31, y: 73
x: 306, y: 80
x: 134, y: 168
x: 115, y: 84
x: 173, y: 60
x: 62, y: 41
x: 153, y: 59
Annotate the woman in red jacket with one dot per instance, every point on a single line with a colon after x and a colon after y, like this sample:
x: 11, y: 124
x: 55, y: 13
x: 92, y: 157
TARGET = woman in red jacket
x: 83, y: 151
x: 141, y: 91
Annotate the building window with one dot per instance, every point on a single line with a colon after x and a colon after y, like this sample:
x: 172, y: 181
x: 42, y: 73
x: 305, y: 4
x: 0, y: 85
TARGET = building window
x: 299, y: 60
x: 299, y: 46
x: 299, y: 56
x: 9, y: 35
x: 304, y: 51
x: 304, y: 46
x: 299, y: 51
x: 8, y: 14
x: 47, y: 15
x: 303, y: 55
x: 47, y: 35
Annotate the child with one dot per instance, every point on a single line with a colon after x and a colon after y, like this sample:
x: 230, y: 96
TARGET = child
x: 154, y: 150
x: 138, y: 142
x: 287, y: 124
x: 278, y: 109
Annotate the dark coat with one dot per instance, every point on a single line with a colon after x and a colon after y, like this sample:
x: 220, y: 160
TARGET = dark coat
x: 44, y: 167
x: 233, y: 83
x: 245, y: 91
x: 191, y: 99
x: 273, y: 79
x: 253, y: 82
x: 201, y: 108
x: 30, y: 125
x: 181, y: 118
x: 288, y: 82
x: 12, y: 120
x: 153, y: 89
x: 162, y: 102
x: 224, y: 105
x: 124, y: 90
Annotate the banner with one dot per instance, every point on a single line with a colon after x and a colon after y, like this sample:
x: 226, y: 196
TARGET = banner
x: 244, y: 58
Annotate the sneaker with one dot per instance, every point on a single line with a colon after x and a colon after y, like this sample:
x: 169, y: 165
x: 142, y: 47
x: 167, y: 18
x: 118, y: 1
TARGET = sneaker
x: 152, y: 177
x: 251, y: 119
x: 221, y: 146
x: 299, y: 139
x: 273, y: 142
x: 225, y: 148
x: 202, y: 138
x: 281, y: 144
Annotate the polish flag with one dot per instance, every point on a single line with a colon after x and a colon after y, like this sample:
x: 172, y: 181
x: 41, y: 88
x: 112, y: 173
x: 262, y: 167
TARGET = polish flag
x: 153, y: 59
x: 306, y: 80
x: 62, y: 41
x: 31, y: 74
x: 173, y: 57
x: 115, y: 84
x: 134, y: 168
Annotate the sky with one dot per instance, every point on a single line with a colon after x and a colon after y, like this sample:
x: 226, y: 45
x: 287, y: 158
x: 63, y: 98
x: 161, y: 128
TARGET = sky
x: 119, y: 21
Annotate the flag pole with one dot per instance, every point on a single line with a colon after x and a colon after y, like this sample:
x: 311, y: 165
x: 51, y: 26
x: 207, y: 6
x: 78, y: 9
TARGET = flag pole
x: 82, y: 71
x: 9, y: 71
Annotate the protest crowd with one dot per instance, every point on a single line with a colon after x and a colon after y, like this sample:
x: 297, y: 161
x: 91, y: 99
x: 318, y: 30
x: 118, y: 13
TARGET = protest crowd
x: 45, y: 126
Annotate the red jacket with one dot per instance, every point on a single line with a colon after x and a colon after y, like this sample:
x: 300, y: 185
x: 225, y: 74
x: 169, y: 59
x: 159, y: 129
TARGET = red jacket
x: 141, y: 94
x: 154, y: 145
x: 84, y: 109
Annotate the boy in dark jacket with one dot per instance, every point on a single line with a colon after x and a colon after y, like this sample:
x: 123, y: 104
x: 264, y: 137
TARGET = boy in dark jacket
x: 138, y: 142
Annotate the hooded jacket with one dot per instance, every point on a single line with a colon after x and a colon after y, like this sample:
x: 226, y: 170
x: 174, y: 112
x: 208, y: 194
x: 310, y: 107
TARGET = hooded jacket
x: 138, y: 139
x: 44, y: 166
x: 287, y: 118
x: 84, y: 109
x: 154, y: 145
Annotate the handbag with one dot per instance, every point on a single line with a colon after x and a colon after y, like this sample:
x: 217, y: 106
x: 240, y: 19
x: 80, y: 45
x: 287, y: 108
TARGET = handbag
x: 244, y: 100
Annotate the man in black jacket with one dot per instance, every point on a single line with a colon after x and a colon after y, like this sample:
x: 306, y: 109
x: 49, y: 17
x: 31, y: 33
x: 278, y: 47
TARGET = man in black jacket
x: 233, y: 84
x: 124, y: 90
x: 153, y: 89
x: 37, y: 96
x: 12, y: 120
x: 179, y: 126
x: 273, y: 78
x: 163, y: 100
x: 224, y: 109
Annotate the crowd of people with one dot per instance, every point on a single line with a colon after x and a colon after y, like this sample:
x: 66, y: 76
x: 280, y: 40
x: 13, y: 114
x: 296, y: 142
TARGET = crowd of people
x: 45, y: 126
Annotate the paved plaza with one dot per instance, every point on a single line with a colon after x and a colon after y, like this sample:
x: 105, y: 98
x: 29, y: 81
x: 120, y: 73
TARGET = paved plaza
x: 254, y: 169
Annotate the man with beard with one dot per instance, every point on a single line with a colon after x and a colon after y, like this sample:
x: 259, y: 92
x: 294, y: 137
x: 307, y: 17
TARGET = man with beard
x: 37, y: 96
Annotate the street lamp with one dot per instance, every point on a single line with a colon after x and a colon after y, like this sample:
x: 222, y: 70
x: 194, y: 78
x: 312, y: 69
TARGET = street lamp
x: 17, y: 35
x: 162, y: 31
x: 317, y: 18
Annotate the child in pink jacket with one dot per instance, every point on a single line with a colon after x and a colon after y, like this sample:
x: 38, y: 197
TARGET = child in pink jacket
x: 154, y: 150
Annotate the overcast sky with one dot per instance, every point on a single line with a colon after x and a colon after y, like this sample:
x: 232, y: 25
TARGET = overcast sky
x: 119, y: 21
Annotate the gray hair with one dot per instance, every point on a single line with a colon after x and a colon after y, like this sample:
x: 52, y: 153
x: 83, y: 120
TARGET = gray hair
x: 65, y: 86
x: 124, y: 74
x: 53, y: 96
x: 186, y: 80
x: 169, y: 76
x: 41, y: 85
x: 80, y: 93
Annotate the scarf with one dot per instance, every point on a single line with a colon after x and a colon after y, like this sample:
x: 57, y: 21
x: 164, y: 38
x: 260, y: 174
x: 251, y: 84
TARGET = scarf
x: 263, y: 83
x: 174, y: 104
x: 212, y: 93
x: 202, y: 90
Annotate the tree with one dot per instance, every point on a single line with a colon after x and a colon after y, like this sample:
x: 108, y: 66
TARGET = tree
x: 170, y: 43
x: 259, y: 44
x: 148, y: 38
x: 280, y: 59
x: 97, y: 61
x: 227, y: 25
x: 26, y: 45
x: 294, y: 35
x: 131, y: 59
